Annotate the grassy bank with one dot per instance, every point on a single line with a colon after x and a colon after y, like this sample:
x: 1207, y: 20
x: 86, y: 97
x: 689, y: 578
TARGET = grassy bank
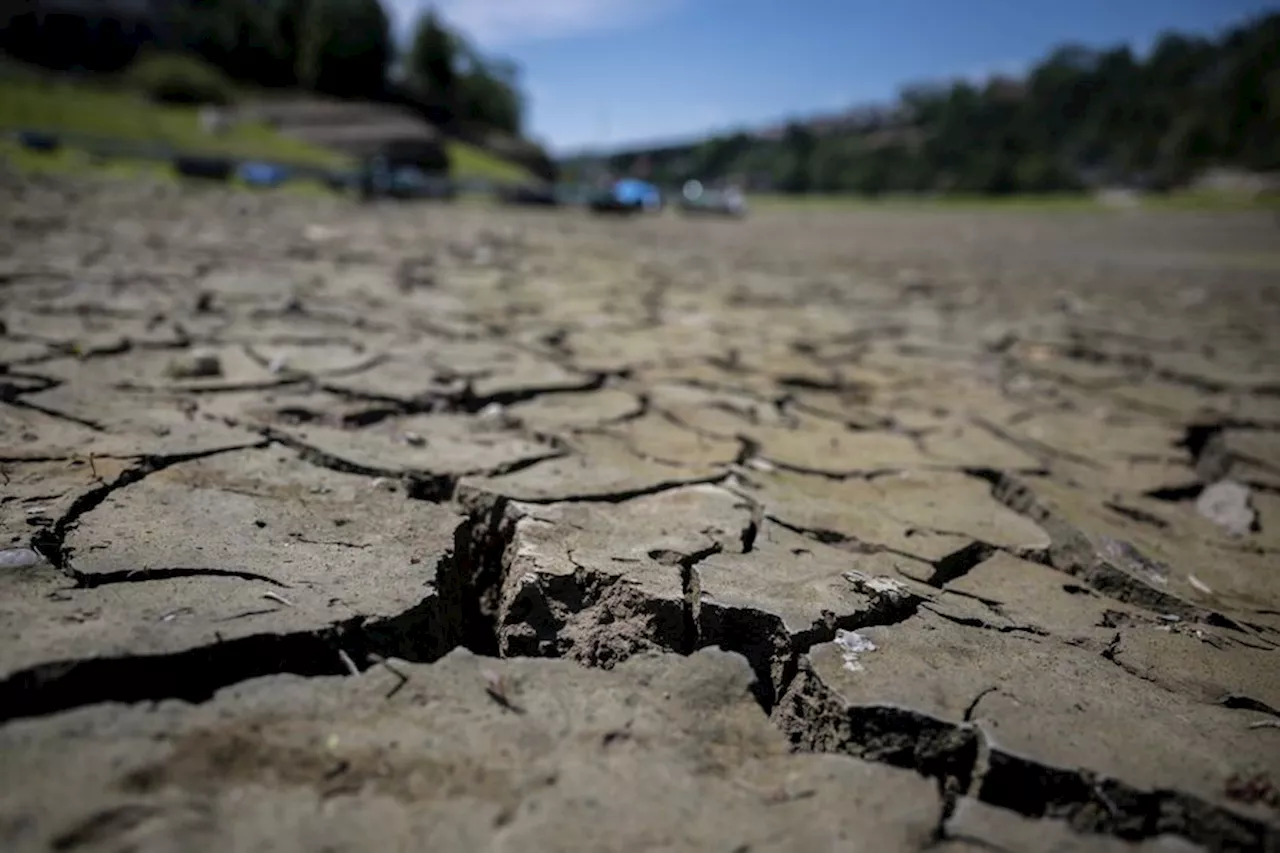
x: 77, y: 106
x: 65, y: 106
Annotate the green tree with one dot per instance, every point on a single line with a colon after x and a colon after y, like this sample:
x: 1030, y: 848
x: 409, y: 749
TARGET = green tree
x: 434, y: 59
x: 833, y: 166
x: 344, y: 47
x: 488, y: 93
x: 798, y: 146
x: 1079, y: 116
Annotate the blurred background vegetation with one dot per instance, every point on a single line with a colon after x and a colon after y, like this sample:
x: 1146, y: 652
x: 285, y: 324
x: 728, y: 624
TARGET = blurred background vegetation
x: 1081, y: 118
x: 1188, y: 112
x: 186, y: 53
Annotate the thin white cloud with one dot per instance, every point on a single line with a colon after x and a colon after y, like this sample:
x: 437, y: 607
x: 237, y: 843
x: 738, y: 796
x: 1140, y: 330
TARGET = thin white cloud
x: 982, y: 74
x: 500, y: 23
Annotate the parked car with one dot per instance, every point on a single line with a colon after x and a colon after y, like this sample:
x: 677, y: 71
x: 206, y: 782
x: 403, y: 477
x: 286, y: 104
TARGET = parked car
x: 697, y: 200
x: 379, y: 178
x: 409, y: 182
x: 629, y: 195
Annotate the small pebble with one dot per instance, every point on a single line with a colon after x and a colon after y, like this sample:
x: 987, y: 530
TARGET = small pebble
x: 1228, y: 504
x: 19, y: 558
x: 196, y: 366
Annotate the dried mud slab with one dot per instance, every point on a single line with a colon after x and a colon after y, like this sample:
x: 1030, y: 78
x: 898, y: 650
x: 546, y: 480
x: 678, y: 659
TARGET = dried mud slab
x: 994, y: 711
x: 929, y: 516
x: 461, y: 755
x: 443, y: 445
x: 599, y: 466
x: 237, y: 563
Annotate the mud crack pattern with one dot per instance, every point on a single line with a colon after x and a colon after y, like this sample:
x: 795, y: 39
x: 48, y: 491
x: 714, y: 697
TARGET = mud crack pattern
x: 458, y: 529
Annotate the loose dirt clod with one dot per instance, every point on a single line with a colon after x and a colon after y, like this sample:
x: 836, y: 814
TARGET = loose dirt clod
x: 200, y: 365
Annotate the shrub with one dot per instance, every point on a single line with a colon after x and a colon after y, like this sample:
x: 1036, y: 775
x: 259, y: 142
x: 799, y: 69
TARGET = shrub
x: 175, y: 78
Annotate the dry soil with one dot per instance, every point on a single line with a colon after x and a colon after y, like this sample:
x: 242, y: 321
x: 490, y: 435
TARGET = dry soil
x: 454, y: 529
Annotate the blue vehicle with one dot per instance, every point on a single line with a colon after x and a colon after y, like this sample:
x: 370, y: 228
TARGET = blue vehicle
x: 629, y: 195
x: 260, y: 174
x: 637, y: 193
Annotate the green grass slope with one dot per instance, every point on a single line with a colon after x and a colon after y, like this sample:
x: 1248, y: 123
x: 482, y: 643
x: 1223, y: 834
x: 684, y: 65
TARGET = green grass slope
x: 73, y: 107
x: 45, y: 102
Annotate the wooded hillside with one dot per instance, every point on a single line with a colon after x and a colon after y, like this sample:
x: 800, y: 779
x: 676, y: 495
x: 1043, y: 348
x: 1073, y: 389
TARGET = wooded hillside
x: 1079, y: 117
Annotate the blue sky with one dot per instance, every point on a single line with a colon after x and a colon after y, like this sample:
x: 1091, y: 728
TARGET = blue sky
x: 604, y: 73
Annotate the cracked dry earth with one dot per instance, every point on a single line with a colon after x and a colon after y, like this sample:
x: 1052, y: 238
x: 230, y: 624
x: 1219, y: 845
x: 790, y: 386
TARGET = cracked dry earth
x: 457, y: 529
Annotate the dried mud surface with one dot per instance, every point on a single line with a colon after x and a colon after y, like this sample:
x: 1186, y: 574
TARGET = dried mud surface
x: 415, y: 528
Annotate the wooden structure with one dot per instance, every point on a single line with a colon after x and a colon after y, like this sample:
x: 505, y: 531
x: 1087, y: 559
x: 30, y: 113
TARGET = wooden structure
x: 357, y: 129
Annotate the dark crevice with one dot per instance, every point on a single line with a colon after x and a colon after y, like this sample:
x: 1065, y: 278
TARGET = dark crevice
x: 643, y: 407
x: 815, y: 720
x: 629, y: 494
x: 864, y: 474
x: 843, y: 541
x: 518, y: 464
x: 691, y: 592
x: 1176, y: 494
x: 1206, y: 443
x: 471, y: 403
x: 748, y: 449
x: 420, y: 634
x: 1138, y: 515
x: 428, y: 402
x: 473, y: 590
x: 323, y: 459
x: 1197, y: 437
x: 972, y: 707
x: 1239, y: 702
x: 419, y: 485
x: 89, y: 580
x: 24, y: 403
x: 975, y: 622
x: 959, y: 563
x: 1096, y: 804
x: 759, y: 637
x: 963, y: 762
x: 369, y: 417
x: 806, y: 383
x: 435, y: 488
x: 31, y: 383
x: 214, y: 387
x: 297, y: 416
x: 751, y: 530
x: 1112, y: 567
